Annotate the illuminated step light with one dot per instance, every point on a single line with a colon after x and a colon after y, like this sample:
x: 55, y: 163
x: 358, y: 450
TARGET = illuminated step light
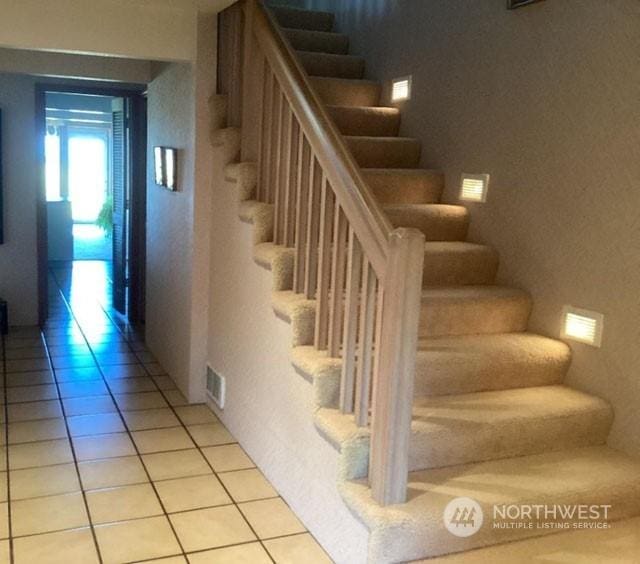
x: 582, y: 325
x: 401, y: 89
x: 474, y: 187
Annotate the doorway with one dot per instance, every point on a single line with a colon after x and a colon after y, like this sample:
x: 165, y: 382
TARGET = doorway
x: 93, y: 152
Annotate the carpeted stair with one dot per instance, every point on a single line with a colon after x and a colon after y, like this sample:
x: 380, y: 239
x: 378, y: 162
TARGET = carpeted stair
x: 491, y: 418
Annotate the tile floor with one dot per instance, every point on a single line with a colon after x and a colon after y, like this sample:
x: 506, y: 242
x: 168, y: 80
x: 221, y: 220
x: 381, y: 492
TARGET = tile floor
x: 104, y: 461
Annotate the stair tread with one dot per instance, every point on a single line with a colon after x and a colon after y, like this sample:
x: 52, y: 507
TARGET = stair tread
x: 588, y: 475
x: 465, y: 293
x: 503, y: 406
x: 318, y: 41
x: 296, y: 18
x: 438, y: 222
x: 476, y: 363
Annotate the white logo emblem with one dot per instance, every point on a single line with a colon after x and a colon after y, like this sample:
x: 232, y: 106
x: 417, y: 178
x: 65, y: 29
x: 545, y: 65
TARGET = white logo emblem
x: 463, y: 517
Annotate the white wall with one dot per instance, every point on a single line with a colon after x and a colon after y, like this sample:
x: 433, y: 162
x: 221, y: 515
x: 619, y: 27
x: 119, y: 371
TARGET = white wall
x: 546, y: 99
x: 18, y: 265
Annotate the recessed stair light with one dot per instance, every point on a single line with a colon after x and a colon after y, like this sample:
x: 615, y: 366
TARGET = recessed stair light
x: 582, y: 325
x: 401, y: 89
x: 474, y: 187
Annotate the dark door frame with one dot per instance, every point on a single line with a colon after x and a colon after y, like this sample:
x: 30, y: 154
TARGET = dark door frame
x: 138, y: 197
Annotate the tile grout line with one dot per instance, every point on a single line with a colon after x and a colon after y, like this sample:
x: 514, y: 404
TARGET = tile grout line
x: 128, y: 432
x: 6, y: 439
x: 73, y: 453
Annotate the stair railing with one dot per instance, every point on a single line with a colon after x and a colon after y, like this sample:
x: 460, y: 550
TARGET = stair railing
x: 365, y: 276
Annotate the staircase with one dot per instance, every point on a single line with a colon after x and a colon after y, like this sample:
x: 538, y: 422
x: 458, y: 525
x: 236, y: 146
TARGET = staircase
x: 491, y: 418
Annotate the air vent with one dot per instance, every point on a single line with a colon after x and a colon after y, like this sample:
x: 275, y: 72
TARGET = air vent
x: 582, y: 325
x: 474, y: 187
x: 216, y: 387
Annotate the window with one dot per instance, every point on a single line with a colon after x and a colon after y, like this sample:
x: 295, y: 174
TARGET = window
x: 52, y: 164
x: 88, y: 175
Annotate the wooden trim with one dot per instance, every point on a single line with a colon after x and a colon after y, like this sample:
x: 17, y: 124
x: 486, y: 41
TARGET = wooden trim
x: 393, y: 396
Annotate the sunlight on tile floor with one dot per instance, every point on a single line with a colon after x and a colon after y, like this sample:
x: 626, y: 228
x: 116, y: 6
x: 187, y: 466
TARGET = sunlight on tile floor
x: 104, y: 461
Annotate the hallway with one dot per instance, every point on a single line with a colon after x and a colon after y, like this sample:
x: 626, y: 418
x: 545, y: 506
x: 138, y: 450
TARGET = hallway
x: 106, y: 462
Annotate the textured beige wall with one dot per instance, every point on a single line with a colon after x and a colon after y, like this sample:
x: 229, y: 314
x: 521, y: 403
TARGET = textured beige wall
x: 170, y: 223
x: 547, y: 100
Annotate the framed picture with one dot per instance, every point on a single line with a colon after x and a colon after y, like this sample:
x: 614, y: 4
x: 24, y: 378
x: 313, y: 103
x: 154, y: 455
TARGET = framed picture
x: 165, y: 166
x: 513, y: 4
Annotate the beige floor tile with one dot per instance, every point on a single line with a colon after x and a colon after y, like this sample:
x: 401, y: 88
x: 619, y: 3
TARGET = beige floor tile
x: 112, y: 472
x: 3, y: 458
x: 271, y: 518
x: 4, y: 488
x: 118, y: 371
x: 5, y: 552
x: 169, y: 560
x: 227, y: 457
x: 210, y: 434
x: 103, y: 446
x: 38, y: 430
x: 175, y: 398
x: 88, y: 406
x: 142, y: 400
x: 154, y: 369
x: 251, y: 553
x: 297, y: 549
x: 182, y: 494
x: 247, y: 485
x: 90, y: 388
x: 175, y: 464
x: 47, y: 480
x: 4, y: 521
x: 65, y: 547
x: 196, y: 414
x: 98, y: 424
x: 29, y: 379
x: 150, y: 419
x: 164, y: 382
x: 44, y: 453
x: 22, y: 394
x: 142, y: 539
x: 132, y: 385
x: 27, y: 365
x: 211, y: 528
x: 47, y: 514
x: 123, y: 503
x: 160, y: 440
x: 34, y: 410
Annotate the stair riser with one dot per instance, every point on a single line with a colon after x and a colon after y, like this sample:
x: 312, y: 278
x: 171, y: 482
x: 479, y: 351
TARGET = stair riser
x: 441, y: 318
x: 319, y: 42
x: 450, y: 447
x: 440, y: 373
x: 402, y: 188
x: 459, y: 269
x: 336, y: 92
x: 303, y: 19
x: 336, y: 66
x: 385, y: 153
x: 435, y: 226
x: 380, y: 122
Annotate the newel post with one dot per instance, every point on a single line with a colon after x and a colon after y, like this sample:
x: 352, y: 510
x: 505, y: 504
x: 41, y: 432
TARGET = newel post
x: 393, y: 387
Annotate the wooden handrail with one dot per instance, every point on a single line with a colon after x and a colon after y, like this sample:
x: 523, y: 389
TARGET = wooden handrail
x: 363, y: 211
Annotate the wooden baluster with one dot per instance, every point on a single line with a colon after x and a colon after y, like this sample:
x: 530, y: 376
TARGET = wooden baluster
x: 327, y: 208
x: 365, y: 344
x: 338, y: 266
x: 279, y: 167
x: 302, y: 206
x: 264, y: 170
x: 354, y: 269
x: 394, y: 379
x: 313, y: 229
x: 292, y: 180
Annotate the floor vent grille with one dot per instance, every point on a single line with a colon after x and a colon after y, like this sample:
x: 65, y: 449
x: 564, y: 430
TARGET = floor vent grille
x: 215, y: 387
